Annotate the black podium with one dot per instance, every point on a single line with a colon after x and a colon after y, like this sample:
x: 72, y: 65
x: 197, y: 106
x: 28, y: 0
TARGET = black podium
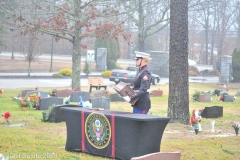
x: 113, y: 134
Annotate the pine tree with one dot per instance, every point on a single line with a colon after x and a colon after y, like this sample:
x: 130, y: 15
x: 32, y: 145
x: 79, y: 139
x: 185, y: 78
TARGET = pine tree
x: 236, y: 65
x: 113, y: 50
x: 86, y: 68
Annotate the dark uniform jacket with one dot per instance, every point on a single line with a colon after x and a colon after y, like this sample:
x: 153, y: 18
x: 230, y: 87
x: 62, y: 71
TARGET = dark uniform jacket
x: 141, y: 83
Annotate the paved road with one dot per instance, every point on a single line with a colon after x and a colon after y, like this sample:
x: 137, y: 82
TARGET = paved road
x: 10, y: 83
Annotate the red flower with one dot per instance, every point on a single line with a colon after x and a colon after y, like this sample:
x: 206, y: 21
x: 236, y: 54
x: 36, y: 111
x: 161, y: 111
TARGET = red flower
x: 7, y: 115
x: 221, y: 98
x: 75, y: 90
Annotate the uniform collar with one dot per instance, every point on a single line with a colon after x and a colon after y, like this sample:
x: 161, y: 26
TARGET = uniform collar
x: 142, y: 68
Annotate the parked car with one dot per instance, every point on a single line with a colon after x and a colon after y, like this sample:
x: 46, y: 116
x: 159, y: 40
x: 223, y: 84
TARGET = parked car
x: 127, y: 75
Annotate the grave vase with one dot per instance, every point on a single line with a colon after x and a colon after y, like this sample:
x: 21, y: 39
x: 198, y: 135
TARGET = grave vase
x: 196, y: 131
x: 236, y: 130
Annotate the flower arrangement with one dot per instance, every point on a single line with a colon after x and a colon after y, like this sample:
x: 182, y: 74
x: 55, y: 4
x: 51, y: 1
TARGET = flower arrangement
x: 196, y: 95
x: 221, y: 97
x: 194, y: 121
x: 200, y: 112
x: 66, y: 100
x: 53, y: 92
x: 1, y: 91
x: 7, y: 115
x: 34, y: 101
x: 236, y: 125
x: 46, y: 114
x: 23, y: 102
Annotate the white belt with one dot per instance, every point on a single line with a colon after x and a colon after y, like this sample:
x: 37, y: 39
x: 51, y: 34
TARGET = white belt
x: 138, y: 90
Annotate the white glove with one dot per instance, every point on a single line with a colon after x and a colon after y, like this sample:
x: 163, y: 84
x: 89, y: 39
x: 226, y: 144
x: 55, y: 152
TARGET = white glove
x: 127, y: 98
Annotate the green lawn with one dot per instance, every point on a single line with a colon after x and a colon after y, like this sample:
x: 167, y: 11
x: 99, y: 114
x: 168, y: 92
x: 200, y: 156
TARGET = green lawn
x: 42, y: 140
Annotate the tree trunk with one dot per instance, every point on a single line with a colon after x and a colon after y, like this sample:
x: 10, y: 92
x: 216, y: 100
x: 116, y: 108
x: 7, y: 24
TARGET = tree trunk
x: 141, y: 37
x: 213, y: 36
x: 76, y: 65
x: 29, y: 68
x: 206, y: 36
x: 178, y: 101
x: 30, y: 56
x: 76, y: 57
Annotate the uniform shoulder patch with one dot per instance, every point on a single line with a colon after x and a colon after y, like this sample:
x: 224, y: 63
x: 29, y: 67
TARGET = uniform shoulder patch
x: 145, y: 78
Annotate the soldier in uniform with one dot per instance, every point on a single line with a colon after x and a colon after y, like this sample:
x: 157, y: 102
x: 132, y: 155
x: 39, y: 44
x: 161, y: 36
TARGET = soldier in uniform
x: 141, y: 84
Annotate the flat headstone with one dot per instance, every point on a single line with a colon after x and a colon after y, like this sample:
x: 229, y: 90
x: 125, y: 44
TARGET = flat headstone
x: 157, y: 93
x: 100, y: 102
x: 56, y: 116
x: 98, y: 93
x: 75, y: 96
x: 15, y: 125
x: 49, y: 101
x: 63, y: 93
x: 23, y: 93
x: 116, y: 98
x: 159, y: 156
x: 212, y: 112
x: 228, y: 98
x: 42, y: 94
x: 204, y: 98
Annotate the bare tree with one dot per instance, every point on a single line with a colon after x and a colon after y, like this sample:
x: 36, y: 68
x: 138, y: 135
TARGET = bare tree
x: 178, y: 101
x: 148, y: 17
x: 203, y: 14
x: 225, y: 20
x: 237, y: 24
x: 72, y: 20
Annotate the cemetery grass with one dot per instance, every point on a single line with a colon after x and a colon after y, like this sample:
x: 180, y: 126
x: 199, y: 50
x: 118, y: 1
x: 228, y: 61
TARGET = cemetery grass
x: 40, y: 138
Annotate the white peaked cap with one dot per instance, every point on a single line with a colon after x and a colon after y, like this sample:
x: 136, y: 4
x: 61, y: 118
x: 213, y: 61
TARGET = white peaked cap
x: 142, y: 55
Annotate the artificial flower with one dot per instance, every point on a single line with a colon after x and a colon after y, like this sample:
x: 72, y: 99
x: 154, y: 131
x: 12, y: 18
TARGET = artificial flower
x: 7, y: 115
x: 236, y: 125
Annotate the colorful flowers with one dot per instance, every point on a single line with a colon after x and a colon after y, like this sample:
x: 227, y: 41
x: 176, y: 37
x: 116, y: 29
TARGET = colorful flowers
x: 34, y: 101
x: 7, y: 115
x: 33, y: 97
